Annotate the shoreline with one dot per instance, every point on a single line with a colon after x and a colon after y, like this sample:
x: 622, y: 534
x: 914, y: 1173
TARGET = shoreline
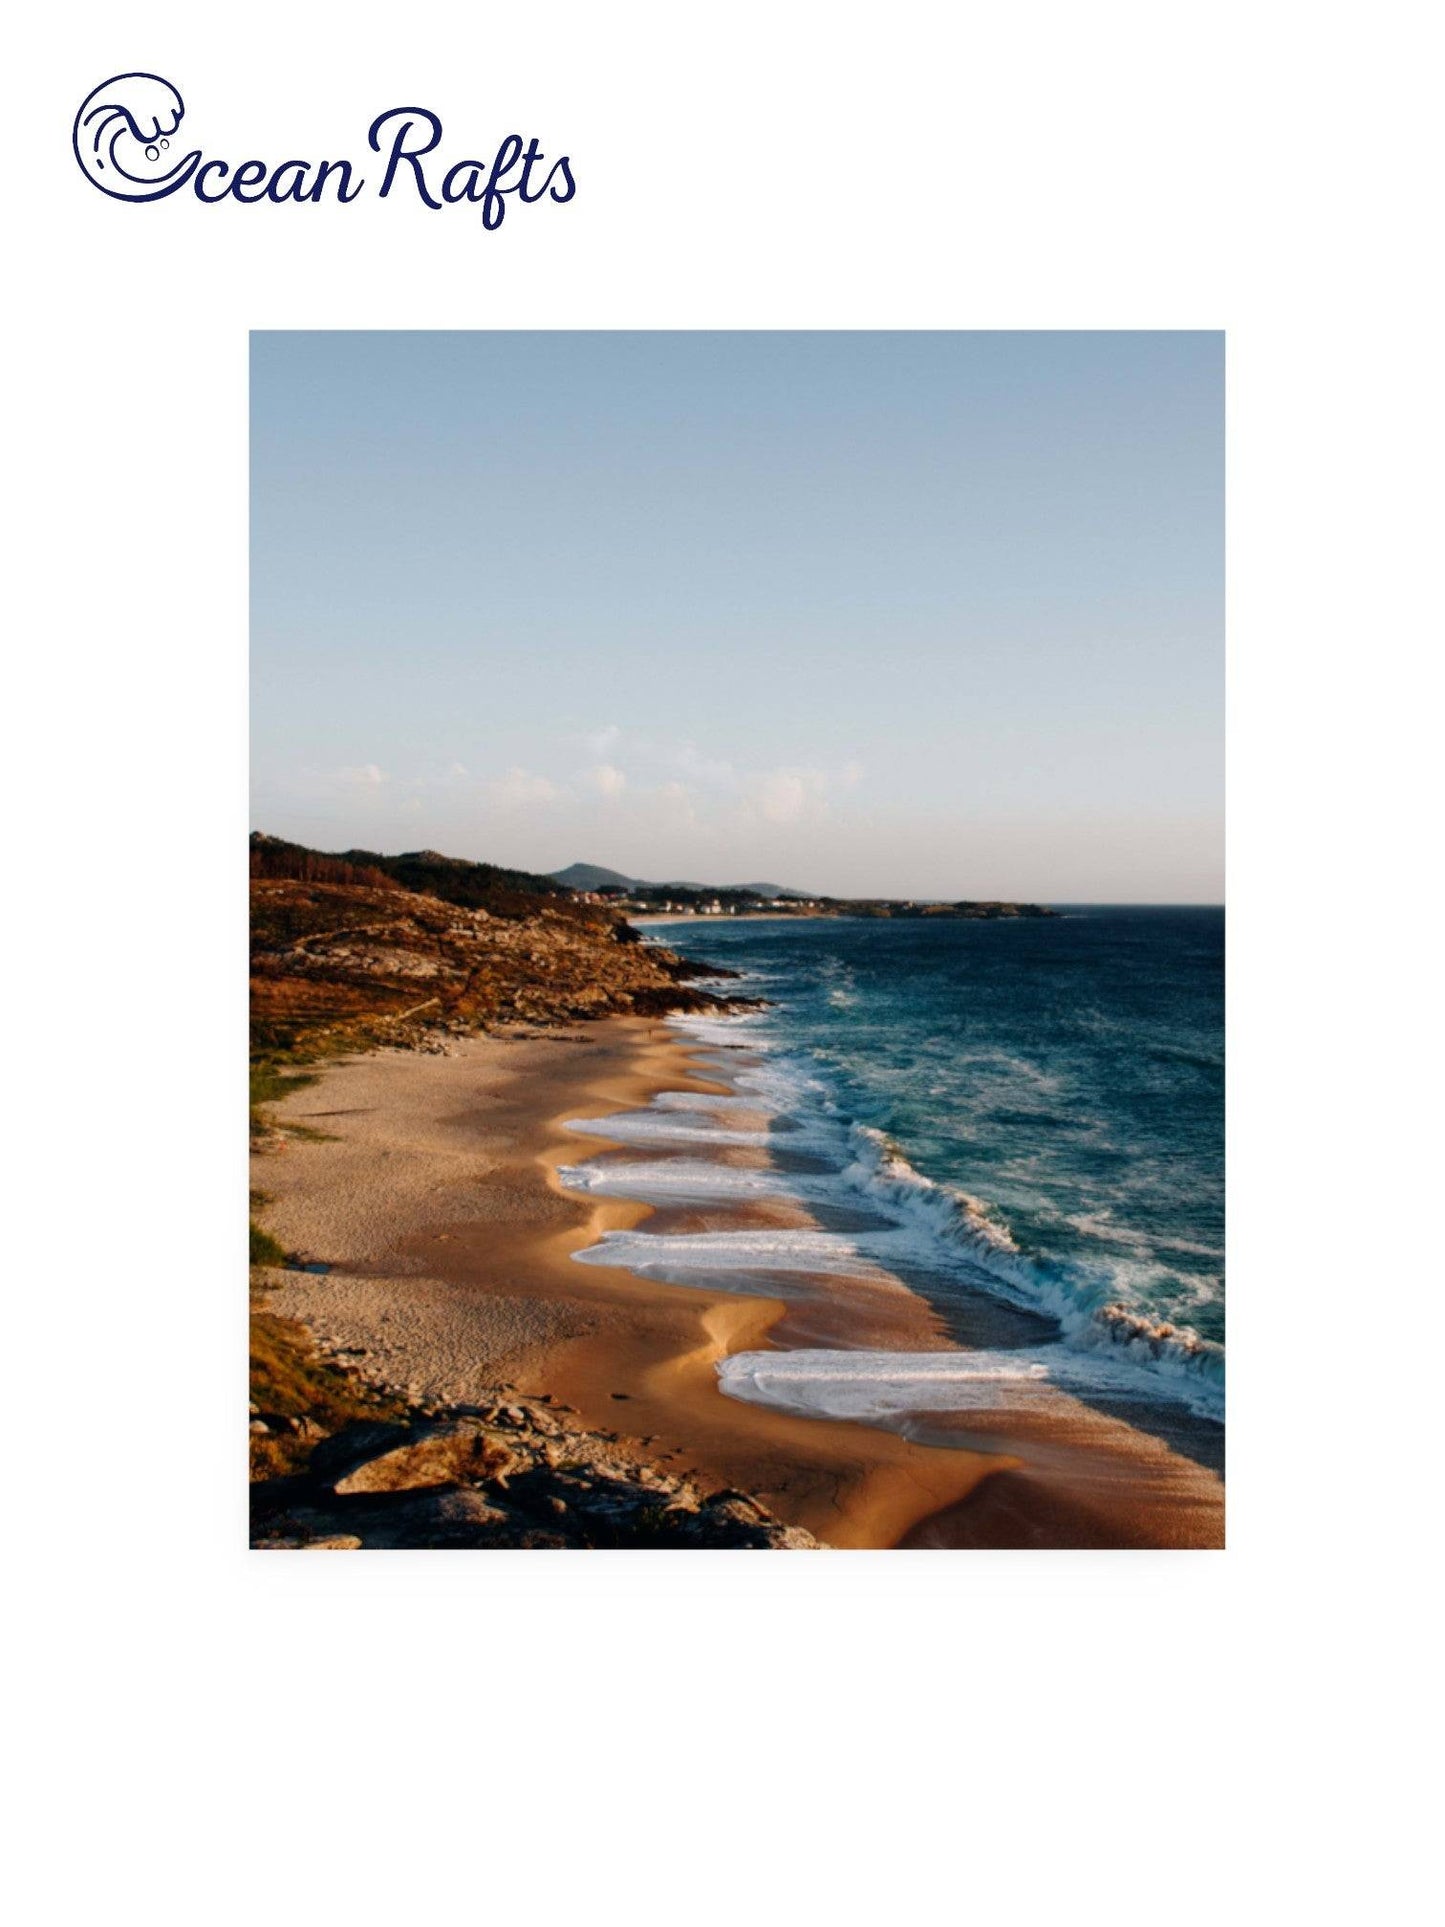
x: 450, y: 1238
x: 435, y: 1200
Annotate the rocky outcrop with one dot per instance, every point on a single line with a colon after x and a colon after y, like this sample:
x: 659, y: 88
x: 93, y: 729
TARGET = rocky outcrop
x: 509, y: 1473
x: 392, y: 965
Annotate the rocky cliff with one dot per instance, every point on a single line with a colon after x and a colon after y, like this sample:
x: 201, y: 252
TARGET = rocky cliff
x: 359, y: 963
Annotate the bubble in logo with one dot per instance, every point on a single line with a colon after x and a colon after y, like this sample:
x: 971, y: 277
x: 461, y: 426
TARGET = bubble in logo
x: 123, y: 138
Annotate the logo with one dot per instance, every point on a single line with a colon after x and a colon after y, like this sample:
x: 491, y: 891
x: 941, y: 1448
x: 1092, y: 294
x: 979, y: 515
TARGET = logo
x: 122, y: 138
x: 126, y: 141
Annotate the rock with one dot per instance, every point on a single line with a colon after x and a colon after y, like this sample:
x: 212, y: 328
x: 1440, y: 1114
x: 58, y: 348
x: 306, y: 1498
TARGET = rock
x: 493, y: 1475
x: 731, y: 1504
x: 388, y: 1521
x: 454, y: 1452
x: 448, y: 1513
x: 460, y: 1517
x: 354, y: 1444
x: 793, y: 1539
x: 732, y: 1514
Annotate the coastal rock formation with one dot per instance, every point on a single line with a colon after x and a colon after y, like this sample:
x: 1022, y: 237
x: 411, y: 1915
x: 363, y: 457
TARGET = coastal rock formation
x: 367, y: 963
x: 510, y: 1473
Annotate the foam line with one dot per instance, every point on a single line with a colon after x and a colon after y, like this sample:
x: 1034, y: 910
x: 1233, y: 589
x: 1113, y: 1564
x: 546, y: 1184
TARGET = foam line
x: 883, y: 1385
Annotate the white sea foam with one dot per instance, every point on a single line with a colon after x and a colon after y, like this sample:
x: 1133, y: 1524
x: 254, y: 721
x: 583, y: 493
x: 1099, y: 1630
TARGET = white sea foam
x: 738, y: 1027
x: 678, y: 1180
x: 663, y: 1127
x: 1086, y: 1303
x: 675, y: 1257
x: 884, y: 1385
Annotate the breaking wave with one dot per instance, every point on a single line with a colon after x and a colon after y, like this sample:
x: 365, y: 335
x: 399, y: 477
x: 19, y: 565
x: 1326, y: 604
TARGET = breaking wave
x: 1085, y: 1301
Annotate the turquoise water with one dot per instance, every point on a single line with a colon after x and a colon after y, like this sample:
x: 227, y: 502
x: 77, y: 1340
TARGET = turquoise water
x: 1046, y: 1095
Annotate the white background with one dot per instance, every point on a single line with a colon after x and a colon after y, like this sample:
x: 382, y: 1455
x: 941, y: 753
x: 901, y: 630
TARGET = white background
x: 210, y: 1735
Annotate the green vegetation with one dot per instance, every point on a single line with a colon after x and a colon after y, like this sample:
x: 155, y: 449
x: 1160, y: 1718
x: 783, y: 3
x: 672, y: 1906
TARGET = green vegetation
x: 291, y: 1381
x: 264, y: 1248
x: 269, y: 1084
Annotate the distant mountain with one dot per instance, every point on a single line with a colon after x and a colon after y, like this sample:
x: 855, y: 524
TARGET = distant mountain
x: 592, y: 876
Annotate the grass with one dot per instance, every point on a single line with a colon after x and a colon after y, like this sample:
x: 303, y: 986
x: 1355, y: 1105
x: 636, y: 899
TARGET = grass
x: 269, y: 1084
x: 290, y: 1379
x: 264, y: 1248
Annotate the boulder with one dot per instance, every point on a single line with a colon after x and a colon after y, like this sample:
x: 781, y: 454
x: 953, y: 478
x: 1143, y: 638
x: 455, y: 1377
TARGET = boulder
x: 449, y: 1452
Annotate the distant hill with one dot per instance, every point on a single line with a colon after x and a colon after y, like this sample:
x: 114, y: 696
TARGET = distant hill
x: 475, y: 886
x: 520, y: 895
x: 592, y: 876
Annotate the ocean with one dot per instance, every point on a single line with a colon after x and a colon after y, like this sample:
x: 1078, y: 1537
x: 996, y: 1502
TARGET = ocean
x: 1027, y: 1112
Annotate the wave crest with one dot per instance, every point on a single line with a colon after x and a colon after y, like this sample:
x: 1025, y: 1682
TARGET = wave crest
x: 1085, y: 1302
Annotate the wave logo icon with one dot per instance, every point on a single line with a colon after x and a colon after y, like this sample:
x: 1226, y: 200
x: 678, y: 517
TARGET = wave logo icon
x: 123, y: 138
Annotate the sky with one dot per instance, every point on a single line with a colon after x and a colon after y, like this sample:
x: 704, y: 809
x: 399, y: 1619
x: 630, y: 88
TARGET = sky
x: 896, y: 614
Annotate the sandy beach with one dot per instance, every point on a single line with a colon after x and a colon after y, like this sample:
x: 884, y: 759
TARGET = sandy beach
x: 433, y: 1197
x: 427, y: 1183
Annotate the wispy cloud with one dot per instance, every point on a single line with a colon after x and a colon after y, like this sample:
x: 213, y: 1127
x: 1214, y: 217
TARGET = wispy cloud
x: 788, y: 795
x: 644, y: 782
x: 520, y: 789
x: 607, y: 779
x: 601, y: 742
x: 698, y: 787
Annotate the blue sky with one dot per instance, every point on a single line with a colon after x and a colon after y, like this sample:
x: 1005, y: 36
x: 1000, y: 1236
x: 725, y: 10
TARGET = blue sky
x: 904, y: 614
